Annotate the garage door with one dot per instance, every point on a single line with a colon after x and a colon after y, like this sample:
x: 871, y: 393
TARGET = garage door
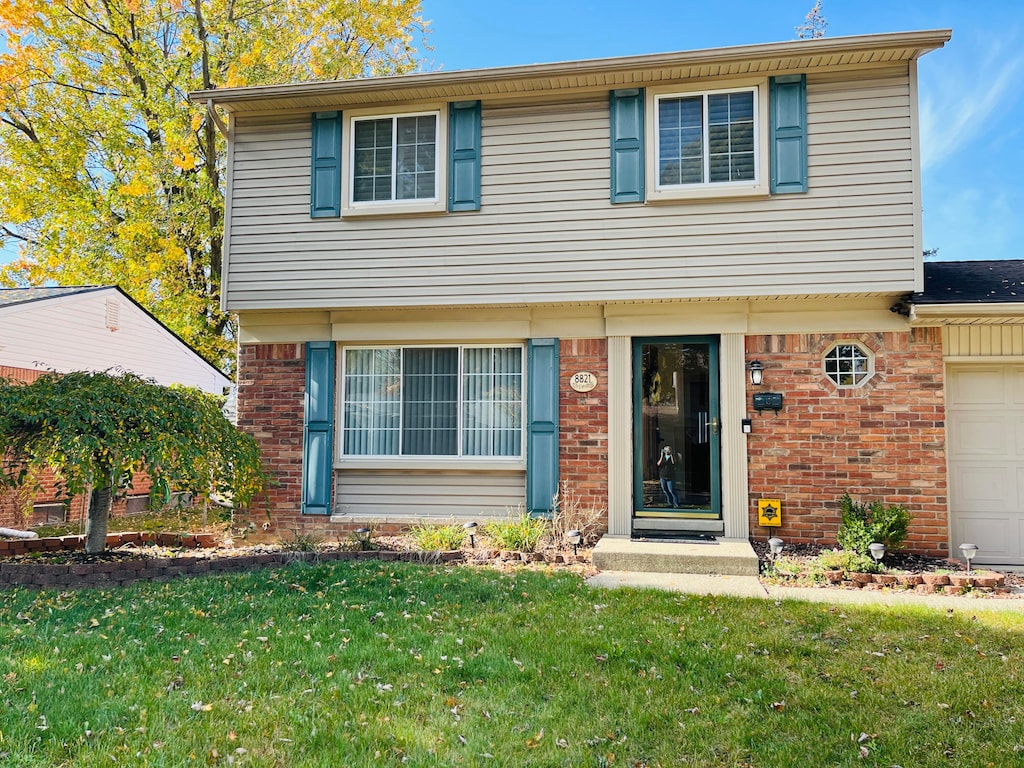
x: 985, y: 414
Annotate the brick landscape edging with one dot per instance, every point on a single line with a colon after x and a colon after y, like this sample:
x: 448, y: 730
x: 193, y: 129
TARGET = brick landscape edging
x: 124, y: 572
x: 9, y: 547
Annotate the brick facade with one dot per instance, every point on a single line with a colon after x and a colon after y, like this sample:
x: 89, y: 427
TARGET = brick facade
x: 271, y: 383
x: 885, y: 440
x: 583, y: 422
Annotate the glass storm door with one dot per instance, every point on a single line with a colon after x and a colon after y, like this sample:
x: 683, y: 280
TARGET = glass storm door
x: 676, y: 432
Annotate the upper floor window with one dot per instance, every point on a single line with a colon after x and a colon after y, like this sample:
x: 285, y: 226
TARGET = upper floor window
x: 394, y: 158
x: 707, y: 143
x: 707, y: 138
x: 394, y: 163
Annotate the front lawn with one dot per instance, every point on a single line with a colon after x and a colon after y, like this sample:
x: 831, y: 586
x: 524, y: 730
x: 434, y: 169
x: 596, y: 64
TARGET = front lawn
x: 368, y: 663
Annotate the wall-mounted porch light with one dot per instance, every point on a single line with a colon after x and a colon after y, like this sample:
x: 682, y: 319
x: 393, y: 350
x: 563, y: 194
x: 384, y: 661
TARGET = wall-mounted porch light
x: 756, y: 372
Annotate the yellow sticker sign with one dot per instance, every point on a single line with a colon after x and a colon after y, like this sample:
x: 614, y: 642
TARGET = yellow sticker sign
x: 769, y: 512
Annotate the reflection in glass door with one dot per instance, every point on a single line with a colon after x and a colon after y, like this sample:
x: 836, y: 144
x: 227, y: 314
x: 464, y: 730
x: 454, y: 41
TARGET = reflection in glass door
x: 676, y: 427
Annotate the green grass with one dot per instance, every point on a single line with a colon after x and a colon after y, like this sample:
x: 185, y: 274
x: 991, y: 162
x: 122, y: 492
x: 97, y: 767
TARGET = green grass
x: 366, y: 663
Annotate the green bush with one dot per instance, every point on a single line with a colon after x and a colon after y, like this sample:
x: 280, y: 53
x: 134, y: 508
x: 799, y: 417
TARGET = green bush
x: 431, y: 538
x: 863, y: 524
x: 519, y: 533
x: 846, y: 560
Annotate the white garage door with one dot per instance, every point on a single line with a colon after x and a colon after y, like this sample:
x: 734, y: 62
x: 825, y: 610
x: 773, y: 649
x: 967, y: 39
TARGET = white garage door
x: 985, y: 413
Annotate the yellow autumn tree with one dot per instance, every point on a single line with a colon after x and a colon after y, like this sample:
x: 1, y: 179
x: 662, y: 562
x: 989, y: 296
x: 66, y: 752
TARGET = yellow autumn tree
x: 109, y: 175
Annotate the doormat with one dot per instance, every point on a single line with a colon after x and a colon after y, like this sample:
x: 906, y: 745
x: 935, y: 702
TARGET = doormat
x: 676, y: 538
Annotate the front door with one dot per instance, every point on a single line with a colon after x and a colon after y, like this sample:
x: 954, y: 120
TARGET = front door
x: 676, y: 477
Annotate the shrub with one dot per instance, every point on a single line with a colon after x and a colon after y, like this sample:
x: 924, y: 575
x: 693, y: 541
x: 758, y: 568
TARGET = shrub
x: 863, y: 524
x: 430, y: 538
x: 571, y: 514
x: 847, y: 560
x: 520, y: 532
x: 303, y: 542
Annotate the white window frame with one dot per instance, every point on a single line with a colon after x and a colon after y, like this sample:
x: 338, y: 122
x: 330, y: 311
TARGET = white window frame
x: 756, y: 187
x: 868, y: 354
x: 436, y: 204
x: 422, y: 461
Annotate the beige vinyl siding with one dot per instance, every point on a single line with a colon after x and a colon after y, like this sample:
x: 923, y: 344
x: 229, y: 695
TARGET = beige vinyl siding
x: 414, y: 494
x: 548, y: 233
x: 983, y: 341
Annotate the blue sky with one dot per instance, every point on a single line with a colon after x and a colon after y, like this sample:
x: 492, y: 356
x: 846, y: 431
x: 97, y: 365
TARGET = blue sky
x: 972, y: 111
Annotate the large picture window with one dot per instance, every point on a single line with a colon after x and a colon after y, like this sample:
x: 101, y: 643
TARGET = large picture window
x: 394, y: 158
x: 433, y: 401
x: 707, y: 138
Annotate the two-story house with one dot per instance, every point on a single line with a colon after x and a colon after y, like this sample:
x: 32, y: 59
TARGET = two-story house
x: 456, y: 289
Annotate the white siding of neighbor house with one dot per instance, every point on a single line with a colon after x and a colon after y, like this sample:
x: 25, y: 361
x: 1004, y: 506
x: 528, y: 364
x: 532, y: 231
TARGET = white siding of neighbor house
x: 548, y: 233
x: 408, y: 493
x: 70, y: 333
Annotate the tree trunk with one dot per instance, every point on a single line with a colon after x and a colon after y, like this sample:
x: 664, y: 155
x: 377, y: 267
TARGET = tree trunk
x: 96, y: 523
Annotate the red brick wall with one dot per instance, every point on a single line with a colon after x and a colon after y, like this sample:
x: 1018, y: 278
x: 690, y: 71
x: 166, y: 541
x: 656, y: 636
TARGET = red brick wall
x: 583, y: 422
x: 19, y: 374
x: 271, y: 383
x: 884, y: 440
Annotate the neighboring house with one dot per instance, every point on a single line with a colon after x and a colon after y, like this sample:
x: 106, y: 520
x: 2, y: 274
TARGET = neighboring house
x: 94, y: 328
x: 457, y: 289
x: 88, y: 328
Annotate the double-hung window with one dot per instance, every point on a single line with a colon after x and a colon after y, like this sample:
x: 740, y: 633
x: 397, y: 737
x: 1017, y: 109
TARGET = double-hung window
x: 433, y: 401
x: 395, y: 162
x: 707, y: 143
x: 707, y: 138
x: 394, y: 158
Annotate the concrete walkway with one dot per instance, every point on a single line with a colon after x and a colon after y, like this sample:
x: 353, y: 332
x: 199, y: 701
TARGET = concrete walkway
x: 750, y: 586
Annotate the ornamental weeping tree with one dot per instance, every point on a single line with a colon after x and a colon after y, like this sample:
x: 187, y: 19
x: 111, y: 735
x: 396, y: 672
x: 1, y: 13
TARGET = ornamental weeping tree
x: 98, y: 430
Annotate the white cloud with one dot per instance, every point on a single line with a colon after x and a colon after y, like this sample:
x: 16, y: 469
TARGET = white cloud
x: 969, y: 96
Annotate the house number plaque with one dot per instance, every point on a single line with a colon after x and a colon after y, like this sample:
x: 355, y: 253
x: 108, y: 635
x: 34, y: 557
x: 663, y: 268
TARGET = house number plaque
x: 584, y: 381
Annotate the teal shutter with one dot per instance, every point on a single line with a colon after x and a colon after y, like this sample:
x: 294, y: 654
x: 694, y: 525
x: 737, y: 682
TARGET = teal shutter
x: 542, y: 425
x: 318, y: 431
x: 788, y: 104
x: 464, y: 156
x: 325, y: 182
x: 627, y: 128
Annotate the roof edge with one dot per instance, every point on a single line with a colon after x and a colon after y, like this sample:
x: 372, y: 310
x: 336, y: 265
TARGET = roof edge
x: 96, y: 288
x: 924, y: 41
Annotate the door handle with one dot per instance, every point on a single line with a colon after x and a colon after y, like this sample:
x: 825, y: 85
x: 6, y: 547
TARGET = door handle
x: 714, y: 424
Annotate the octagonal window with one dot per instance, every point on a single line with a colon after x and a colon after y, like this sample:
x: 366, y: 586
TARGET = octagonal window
x: 848, y: 364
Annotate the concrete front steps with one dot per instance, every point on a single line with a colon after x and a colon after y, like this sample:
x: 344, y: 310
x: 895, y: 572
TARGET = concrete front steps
x: 724, y: 557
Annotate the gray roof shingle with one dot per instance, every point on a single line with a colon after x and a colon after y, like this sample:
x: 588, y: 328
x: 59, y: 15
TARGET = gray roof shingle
x: 9, y: 296
x: 972, y: 282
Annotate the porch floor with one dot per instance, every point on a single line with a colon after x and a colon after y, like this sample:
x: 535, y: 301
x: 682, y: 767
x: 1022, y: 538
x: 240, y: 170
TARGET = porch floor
x: 726, y: 557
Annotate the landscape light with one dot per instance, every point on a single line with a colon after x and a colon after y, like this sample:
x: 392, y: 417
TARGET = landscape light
x: 470, y: 528
x: 877, y: 551
x: 363, y: 534
x: 574, y: 537
x: 969, y: 550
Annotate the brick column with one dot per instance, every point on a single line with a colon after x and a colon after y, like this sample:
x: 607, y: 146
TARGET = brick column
x: 271, y: 384
x: 583, y: 422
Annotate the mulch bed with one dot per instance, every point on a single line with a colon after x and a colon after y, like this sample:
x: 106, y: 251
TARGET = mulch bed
x: 896, y: 562
x: 904, y: 562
